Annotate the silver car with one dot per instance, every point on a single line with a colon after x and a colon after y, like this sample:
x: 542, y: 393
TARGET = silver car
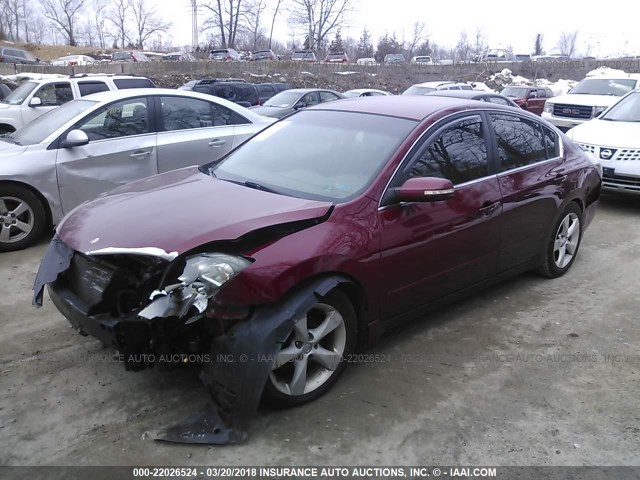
x: 94, y: 144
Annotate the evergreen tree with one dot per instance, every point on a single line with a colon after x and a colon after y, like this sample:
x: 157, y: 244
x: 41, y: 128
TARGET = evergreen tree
x: 337, y: 45
x: 365, y: 47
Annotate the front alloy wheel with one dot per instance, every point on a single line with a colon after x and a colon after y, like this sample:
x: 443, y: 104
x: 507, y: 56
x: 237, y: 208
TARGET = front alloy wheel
x: 562, y: 248
x: 310, y: 360
x: 22, y: 218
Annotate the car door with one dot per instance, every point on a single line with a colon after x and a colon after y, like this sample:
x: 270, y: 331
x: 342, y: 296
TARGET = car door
x: 193, y: 131
x: 52, y: 95
x: 531, y: 171
x: 431, y: 249
x: 121, y: 149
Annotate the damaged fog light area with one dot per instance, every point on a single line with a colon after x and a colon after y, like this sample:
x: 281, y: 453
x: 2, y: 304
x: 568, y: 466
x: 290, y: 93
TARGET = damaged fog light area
x: 202, y: 277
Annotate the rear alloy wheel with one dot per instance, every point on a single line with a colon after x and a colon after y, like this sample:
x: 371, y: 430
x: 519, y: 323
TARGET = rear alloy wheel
x: 310, y: 360
x: 22, y: 218
x: 563, y: 246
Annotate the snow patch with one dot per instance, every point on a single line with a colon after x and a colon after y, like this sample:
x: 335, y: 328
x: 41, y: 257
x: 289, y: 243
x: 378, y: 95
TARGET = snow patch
x: 309, y: 74
x: 346, y: 73
x: 606, y: 71
x: 256, y: 75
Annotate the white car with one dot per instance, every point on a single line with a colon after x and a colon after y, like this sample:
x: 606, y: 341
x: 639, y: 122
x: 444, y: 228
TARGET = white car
x: 96, y: 143
x: 73, y: 61
x: 366, y: 61
x: 364, y: 92
x: 614, y: 139
x: 428, y: 87
x: 422, y: 60
x: 34, y: 98
x: 588, y: 99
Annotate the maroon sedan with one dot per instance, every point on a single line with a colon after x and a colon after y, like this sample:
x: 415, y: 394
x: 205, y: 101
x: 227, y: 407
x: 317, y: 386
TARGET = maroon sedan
x: 317, y: 234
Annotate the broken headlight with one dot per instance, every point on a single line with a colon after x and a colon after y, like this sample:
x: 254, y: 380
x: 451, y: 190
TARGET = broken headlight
x: 202, y: 277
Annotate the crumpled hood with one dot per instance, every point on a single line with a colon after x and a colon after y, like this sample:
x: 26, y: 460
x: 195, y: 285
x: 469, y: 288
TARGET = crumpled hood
x: 177, y: 211
x: 585, y: 100
x: 275, y: 112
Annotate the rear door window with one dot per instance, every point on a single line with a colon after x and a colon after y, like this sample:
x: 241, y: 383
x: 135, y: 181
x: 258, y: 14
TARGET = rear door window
x: 520, y: 141
x: 87, y: 88
x: 328, y: 97
x: 186, y: 113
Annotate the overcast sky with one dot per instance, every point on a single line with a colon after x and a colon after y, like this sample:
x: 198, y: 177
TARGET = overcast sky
x: 609, y: 30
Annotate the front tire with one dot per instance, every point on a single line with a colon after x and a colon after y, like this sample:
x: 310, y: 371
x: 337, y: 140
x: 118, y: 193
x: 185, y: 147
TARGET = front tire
x: 310, y: 360
x: 562, y: 248
x: 22, y: 218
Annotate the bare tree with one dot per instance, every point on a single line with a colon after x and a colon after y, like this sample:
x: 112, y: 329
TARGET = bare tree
x: 13, y: 9
x: 480, y: 43
x: 273, y: 21
x: 319, y: 18
x: 99, y: 8
x: 119, y: 16
x: 417, y: 36
x: 463, y: 47
x: 226, y: 19
x: 147, y: 21
x: 254, y: 17
x: 538, y: 49
x: 567, y: 43
x: 38, y: 29
x: 63, y: 15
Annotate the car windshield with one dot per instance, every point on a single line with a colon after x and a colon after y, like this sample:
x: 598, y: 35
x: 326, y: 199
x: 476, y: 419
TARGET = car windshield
x: 626, y: 110
x: 604, y: 86
x: 121, y: 56
x: 40, y: 128
x: 395, y: 56
x: 283, y: 100
x: 319, y: 155
x: 416, y: 90
x: 351, y: 94
x: 20, y: 94
x: 514, y: 92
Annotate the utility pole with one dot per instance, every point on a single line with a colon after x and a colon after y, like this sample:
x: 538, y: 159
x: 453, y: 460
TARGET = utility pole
x: 194, y: 25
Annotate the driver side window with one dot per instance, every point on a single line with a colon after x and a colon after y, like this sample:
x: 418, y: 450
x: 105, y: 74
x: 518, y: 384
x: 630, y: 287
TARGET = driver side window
x: 458, y: 153
x: 119, y: 119
x: 310, y: 99
x: 54, y: 94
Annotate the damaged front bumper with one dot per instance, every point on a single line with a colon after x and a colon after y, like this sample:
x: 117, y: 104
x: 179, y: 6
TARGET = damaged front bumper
x: 239, y: 357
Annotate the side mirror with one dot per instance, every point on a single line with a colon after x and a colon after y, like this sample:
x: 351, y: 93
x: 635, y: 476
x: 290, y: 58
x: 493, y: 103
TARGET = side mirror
x: 300, y: 105
x: 35, y: 102
x: 424, y: 189
x: 75, y: 138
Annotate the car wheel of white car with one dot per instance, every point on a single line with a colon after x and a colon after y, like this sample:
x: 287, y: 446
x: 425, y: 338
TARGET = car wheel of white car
x: 311, y: 359
x: 22, y: 218
x: 562, y: 247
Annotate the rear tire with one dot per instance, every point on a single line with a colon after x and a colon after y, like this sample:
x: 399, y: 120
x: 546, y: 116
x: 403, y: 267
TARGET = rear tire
x: 22, y: 218
x: 311, y: 359
x: 562, y: 247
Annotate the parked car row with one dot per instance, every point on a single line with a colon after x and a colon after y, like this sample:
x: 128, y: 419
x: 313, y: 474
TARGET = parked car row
x: 237, y: 90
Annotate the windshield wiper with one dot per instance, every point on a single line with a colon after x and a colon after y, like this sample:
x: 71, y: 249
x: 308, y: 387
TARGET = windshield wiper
x: 10, y: 138
x: 257, y: 186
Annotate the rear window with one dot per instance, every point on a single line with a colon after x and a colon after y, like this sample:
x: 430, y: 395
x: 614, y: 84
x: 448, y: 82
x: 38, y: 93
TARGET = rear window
x: 264, y: 90
x: 124, y: 83
x: 87, y: 88
x: 121, y: 56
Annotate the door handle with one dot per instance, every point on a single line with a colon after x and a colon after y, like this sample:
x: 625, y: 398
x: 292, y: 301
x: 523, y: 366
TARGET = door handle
x: 217, y: 142
x: 140, y: 154
x: 488, y: 208
x: 560, y: 178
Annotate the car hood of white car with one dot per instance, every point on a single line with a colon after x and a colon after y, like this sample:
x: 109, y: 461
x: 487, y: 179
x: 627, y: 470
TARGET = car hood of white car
x: 8, y: 149
x: 606, y: 133
x: 587, y: 100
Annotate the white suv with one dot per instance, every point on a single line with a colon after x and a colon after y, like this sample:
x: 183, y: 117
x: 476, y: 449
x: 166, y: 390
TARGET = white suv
x: 588, y: 99
x: 36, y: 97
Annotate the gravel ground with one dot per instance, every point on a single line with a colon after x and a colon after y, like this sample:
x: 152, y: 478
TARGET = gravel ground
x: 531, y: 372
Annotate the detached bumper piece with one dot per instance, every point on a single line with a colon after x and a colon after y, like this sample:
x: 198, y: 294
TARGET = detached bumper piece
x: 236, y: 384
